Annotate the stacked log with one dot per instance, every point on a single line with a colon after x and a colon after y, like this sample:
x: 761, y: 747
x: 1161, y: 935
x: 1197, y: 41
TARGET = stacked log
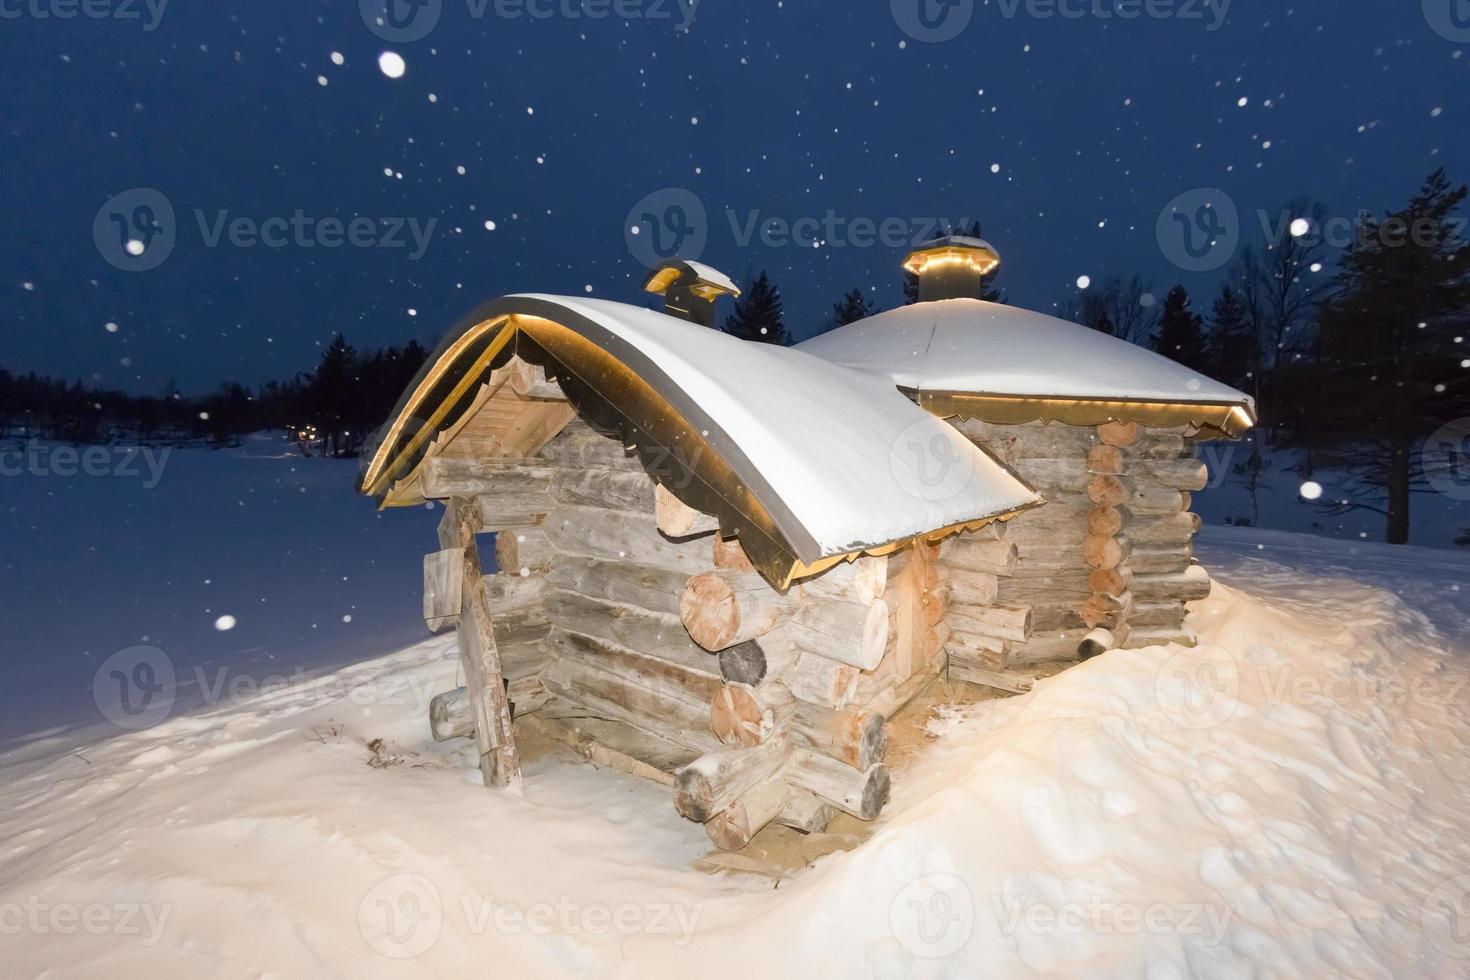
x: 1164, y: 474
x: 649, y: 642
x: 1108, y: 547
x: 1040, y: 575
x: 819, y: 669
x: 1106, y: 562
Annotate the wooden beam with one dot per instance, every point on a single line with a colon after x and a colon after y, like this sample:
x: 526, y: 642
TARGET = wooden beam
x: 479, y: 656
x: 443, y: 587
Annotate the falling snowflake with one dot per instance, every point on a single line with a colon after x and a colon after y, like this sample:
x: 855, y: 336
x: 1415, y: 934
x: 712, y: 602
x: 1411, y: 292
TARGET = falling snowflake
x: 392, y: 64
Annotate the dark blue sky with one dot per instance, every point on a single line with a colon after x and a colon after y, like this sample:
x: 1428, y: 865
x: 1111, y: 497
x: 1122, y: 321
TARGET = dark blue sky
x: 802, y: 107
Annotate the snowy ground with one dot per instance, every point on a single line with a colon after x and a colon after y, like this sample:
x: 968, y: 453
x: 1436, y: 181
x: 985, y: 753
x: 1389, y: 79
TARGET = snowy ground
x: 1291, y: 799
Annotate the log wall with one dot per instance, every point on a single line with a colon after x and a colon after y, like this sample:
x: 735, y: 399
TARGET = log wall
x: 636, y: 634
x: 1107, y: 562
x: 623, y: 624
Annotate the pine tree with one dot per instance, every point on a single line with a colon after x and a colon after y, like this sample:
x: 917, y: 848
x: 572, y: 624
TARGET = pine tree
x: 1181, y: 334
x: 1231, y: 340
x: 852, y: 308
x: 1389, y: 372
x: 758, y: 315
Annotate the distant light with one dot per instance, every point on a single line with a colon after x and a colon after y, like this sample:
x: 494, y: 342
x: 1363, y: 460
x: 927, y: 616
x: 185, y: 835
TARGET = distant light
x: 588, y: 287
x: 337, y: 58
x: 392, y: 64
x: 110, y: 328
x: 322, y: 80
x: 1311, y: 490
x: 412, y: 311
x: 134, y: 247
x: 1084, y: 281
x: 1316, y: 266
x: 1147, y: 300
x: 204, y: 416
x: 530, y: 110
x: 1243, y: 102
x: 460, y: 170
x: 1300, y: 227
x: 489, y: 225
x: 995, y: 168
x: 225, y: 623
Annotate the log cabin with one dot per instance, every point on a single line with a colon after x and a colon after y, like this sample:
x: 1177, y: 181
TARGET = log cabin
x: 725, y: 565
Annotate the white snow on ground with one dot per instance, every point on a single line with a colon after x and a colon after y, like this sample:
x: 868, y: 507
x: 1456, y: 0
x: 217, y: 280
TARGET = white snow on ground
x: 157, y: 550
x: 1291, y: 799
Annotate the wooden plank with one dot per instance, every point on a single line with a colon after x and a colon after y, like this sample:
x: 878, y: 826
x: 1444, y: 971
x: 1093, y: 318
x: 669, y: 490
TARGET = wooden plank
x: 641, y: 630
x: 512, y: 480
x: 613, y: 489
x: 605, y: 742
x: 537, y: 425
x: 478, y: 654
x: 678, y: 520
x: 443, y: 587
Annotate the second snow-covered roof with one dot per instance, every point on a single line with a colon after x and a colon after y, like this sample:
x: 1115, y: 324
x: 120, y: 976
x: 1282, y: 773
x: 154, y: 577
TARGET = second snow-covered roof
x: 970, y: 347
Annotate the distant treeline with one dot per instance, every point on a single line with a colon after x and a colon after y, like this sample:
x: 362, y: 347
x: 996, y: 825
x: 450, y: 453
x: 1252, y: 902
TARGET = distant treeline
x: 1357, y: 359
x: 343, y: 400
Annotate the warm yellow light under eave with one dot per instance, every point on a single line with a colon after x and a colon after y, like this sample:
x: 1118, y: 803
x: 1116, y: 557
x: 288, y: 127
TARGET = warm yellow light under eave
x: 921, y: 262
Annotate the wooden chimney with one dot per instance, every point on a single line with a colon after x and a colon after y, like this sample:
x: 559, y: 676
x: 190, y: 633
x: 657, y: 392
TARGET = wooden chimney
x: 953, y: 267
x: 690, y: 290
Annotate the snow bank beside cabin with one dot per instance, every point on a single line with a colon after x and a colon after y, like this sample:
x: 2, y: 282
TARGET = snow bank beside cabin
x: 1291, y: 799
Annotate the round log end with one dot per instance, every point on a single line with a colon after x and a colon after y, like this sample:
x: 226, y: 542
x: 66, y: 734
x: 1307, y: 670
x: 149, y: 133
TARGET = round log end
x: 744, y: 663
x: 738, y: 718
x: 1096, y: 643
x: 872, y: 746
x: 710, y: 611
x: 729, y: 831
x: 875, y: 635
x: 875, y: 793
x: 692, y: 795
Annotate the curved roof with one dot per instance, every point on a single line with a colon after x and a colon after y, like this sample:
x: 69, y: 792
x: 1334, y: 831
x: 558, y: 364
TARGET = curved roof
x: 1005, y: 361
x: 821, y: 460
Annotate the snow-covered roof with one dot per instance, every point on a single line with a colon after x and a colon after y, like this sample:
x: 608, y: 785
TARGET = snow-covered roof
x: 710, y: 274
x: 840, y: 460
x: 970, y: 347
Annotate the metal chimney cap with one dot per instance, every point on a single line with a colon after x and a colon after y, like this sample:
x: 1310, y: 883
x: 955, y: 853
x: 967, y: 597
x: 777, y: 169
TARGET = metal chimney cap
x: 704, y: 281
x: 952, y: 250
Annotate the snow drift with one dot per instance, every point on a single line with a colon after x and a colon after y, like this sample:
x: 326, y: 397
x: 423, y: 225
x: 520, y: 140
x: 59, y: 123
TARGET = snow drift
x: 1290, y: 799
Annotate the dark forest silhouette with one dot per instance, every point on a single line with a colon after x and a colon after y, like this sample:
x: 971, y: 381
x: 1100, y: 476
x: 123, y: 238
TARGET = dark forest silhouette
x: 1355, y: 367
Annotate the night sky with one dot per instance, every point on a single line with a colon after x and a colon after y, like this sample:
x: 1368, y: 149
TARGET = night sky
x: 562, y: 124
